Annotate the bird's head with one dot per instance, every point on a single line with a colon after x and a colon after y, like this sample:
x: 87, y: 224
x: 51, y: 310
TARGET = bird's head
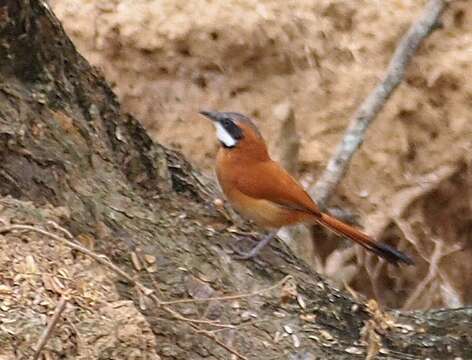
x: 233, y: 129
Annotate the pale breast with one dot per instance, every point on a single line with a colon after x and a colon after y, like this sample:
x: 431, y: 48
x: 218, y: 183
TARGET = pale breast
x: 264, y: 212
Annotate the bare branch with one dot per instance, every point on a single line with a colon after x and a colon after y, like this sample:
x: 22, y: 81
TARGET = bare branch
x: 366, y: 113
x: 52, y: 323
x: 289, y: 141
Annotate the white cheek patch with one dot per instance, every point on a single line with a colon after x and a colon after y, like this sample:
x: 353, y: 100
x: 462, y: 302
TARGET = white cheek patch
x: 224, y: 135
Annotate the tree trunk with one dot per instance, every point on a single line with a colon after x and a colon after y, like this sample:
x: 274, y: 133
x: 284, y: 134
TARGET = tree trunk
x: 64, y: 142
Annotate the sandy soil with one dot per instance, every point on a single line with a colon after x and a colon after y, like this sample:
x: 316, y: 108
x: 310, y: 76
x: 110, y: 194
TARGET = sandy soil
x: 410, y: 182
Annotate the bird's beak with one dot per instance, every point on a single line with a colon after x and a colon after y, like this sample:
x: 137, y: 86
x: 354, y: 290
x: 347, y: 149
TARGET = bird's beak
x: 212, y: 115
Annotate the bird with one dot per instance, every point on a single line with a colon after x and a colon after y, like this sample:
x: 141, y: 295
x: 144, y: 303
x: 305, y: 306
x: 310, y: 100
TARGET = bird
x: 261, y: 190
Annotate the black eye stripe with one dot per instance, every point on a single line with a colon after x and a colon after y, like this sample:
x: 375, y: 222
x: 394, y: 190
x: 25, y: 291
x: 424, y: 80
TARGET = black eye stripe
x: 233, y: 129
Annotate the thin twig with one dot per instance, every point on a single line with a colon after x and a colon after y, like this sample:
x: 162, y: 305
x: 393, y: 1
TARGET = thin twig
x: 366, y: 113
x: 436, y: 257
x: 434, y: 271
x: 61, y: 305
x: 178, y: 316
x: 210, y: 335
x: 56, y: 226
x: 230, y: 297
x: 289, y: 140
x: 403, y: 199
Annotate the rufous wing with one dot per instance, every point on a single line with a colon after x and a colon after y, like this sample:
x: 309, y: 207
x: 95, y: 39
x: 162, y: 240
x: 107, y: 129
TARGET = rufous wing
x: 275, y: 184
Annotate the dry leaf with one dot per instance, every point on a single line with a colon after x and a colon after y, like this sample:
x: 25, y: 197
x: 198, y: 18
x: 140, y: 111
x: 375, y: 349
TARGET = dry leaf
x: 150, y: 259
x: 135, y: 261
x: 87, y: 241
x: 5, y: 290
x: 30, y: 265
x: 52, y: 283
x: 308, y: 317
x: 152, y: 268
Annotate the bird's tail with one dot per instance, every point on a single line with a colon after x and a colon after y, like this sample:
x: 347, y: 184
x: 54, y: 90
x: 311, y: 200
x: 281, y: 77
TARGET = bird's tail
x: 383, y: 250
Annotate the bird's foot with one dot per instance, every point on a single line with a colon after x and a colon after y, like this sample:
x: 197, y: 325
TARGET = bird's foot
x: 249, y: 238
x: 241, y: 255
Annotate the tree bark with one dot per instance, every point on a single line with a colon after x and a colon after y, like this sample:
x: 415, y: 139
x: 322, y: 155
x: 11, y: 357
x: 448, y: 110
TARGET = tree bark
x: 65, y: 142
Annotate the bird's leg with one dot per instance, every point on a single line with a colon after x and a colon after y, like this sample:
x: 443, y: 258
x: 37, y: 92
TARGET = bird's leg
x: 255, y: 250
x: 249, y: 238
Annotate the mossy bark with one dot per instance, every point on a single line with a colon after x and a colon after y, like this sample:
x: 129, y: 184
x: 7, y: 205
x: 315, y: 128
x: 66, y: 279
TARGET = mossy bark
x: 65, y: 142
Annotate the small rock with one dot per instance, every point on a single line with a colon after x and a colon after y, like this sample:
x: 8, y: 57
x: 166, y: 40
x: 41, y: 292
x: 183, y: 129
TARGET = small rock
x: 301, y: 302
x: 296, y: 340
x: 218, y: 203
x: 326, y: 335
x: 235, y: 305
x: 288, y: 329
x: 279, y: 314
x: 354, y: 350
x: 276, y: 337
x: 308, y: 317
x: 247, y: 315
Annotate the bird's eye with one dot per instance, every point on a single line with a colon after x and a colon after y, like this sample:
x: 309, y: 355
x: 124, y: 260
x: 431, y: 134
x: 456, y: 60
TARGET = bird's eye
x: 227, y: 122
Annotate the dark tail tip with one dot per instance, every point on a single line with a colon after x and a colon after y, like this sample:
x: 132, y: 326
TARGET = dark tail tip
x: 392, y: 255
